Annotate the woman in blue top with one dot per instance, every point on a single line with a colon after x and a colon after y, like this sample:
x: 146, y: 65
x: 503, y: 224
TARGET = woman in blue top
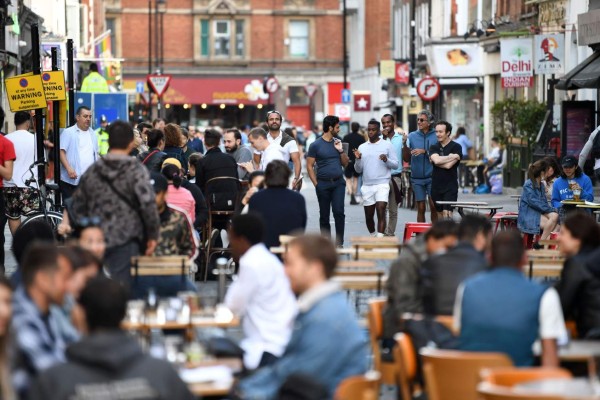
x: 535, y: 213
x: 571, y: 179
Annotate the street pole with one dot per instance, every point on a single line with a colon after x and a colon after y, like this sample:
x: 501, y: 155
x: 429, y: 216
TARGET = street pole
x: 56, y: 130
x: 71, y: 81
x: 39, y: 117
x: 345, y: 39
x: 149, y: 37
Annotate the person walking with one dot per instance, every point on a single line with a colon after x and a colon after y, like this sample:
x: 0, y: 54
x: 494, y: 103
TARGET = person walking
x: 354, y: 140
x: 445, y: 157
x: 375, y: 159
x: 388, y: 124
x: 328, y: 154
x: 415, y: 151
x: 287, y: 144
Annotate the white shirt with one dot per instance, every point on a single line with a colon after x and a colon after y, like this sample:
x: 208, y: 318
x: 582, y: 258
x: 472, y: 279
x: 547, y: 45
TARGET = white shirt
x: 261, y: 294
x: 494, y: 153
x: 272, y: 152
x: 25, y: 147
x: 86, y: 150
x: 287, y: 149
x: 552, y: 323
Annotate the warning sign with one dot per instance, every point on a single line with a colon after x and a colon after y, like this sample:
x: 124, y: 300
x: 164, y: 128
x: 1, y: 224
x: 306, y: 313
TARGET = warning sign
x: 25, y: 92
x: 54, y: 85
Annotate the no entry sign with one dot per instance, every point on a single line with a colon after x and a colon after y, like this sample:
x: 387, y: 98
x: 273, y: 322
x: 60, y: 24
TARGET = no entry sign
x: 428, y: 88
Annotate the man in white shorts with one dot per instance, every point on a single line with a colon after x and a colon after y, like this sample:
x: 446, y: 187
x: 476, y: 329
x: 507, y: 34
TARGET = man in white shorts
x: 375, y: 159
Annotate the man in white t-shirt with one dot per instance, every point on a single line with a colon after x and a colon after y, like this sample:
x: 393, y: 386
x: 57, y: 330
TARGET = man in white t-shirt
x: 269, y: 151
x: 501, y: 310
x: 78, y: 151
x: 20, y: 198
x: 287, y: 144
x: 261, y: 294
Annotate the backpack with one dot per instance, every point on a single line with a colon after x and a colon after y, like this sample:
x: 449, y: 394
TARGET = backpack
x: 596, y: 146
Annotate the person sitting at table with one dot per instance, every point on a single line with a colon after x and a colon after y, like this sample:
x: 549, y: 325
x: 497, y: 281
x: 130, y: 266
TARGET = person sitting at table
x: 327, y: 343
x: 261, y: 293
x: 108, y: 358
x: 553, y: 171
x: 535, y: 213
x: 501, y: 310
x: 442, y: 274
x: 579, y: 285
x: 572, y: 179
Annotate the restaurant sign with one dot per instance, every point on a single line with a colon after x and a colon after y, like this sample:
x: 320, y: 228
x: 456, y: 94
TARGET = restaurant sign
x: 516, y: 63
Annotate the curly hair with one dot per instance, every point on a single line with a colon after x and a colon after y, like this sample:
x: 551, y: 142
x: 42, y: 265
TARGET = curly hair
x: 173, y: 135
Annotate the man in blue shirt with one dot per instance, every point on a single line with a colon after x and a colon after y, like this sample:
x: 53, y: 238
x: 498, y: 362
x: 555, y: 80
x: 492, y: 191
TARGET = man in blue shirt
x: 388, y: 123
x: 328, y: 153
x: 416, y: 151
x: 466, y: 144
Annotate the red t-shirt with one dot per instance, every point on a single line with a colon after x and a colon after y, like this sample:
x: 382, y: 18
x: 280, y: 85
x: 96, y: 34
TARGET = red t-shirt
x: 7, y: 153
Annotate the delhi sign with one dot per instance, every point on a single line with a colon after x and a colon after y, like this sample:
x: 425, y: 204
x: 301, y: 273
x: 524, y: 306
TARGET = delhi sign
x: 516, y: 63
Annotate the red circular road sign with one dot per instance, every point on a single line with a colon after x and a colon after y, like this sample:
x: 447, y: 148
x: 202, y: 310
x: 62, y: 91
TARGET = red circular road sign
x: 271, y: 85
x: 428, y: 88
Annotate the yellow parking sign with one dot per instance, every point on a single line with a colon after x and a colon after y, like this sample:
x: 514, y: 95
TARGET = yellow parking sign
x: 54, y: 85
x: 25, y: 92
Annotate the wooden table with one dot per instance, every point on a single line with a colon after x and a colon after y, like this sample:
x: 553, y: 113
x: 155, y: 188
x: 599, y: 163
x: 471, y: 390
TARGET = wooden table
x: 362, y: 282
x: 584, y: 351
x: 595, y: 209
x: 207, y: 389
x: 573, y: 388
x: 195, y: 322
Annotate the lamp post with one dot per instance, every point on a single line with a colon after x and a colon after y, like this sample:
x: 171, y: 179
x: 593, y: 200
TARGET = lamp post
x: 155, y: 45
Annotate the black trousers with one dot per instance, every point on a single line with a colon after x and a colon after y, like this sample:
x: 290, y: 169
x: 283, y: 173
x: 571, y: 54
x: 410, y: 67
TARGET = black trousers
x: 66, y: 189
x: 3, y: 220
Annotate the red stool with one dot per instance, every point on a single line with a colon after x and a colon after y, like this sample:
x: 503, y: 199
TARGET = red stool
x: 529, y: 239
x: 505, y: 220
x: 415, y: 228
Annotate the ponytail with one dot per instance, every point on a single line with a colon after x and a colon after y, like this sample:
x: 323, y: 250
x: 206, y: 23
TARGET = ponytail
x: 176, y: 178
x: 173, y: 174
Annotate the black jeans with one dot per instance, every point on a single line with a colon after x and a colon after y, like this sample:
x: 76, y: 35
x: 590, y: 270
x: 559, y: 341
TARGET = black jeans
x: 118, y: 261
x: 66, y: 189
x: 331, y: 195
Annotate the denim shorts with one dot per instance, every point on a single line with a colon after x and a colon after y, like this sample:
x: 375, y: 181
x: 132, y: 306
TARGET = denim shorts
x: 421, y: 189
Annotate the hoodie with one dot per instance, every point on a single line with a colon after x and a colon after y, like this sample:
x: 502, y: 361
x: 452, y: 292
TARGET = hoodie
x: 109, y: 362
x: 117, y: 189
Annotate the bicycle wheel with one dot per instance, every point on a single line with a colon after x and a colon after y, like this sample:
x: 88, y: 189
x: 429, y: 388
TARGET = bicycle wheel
x: 52, y: 218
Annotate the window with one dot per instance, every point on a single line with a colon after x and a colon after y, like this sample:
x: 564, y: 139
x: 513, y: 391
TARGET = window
x: 222, y: 38
x: 298, y: 35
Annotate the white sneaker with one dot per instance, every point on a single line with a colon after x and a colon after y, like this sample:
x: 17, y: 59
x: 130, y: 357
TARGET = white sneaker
x: 373, y: 234
x: 224, y: 238
x: 379, y: 234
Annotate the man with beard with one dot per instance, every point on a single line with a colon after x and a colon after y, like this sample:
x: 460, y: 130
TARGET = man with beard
x: 232, y: 140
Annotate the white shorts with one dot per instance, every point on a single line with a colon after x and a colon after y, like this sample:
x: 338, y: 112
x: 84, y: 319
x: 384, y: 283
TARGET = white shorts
x: 374, y: 193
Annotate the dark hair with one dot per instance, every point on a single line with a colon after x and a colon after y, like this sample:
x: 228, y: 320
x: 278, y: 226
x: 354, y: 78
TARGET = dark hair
x: 373, y: 121
x: 471, y: 225
x: 255, y: 133
x: 578, y: 173
x: 290, y: 131
x: 535, y: 170
x: 94, y: 67
x: 254, y: 174
x: 317, y: 248
x: 460, y: 131
x: 236, y: 133
x: 277, y: 174
x: 2, y: 116
x: 553, y: 162
x: 496, y: 139
x: 154, y: 137
x: 585, y: 228
x: 79, y: 257
x: 212, y: 138
x: 428, y: 114
x: 389, y: 116
x: 507, y: 249
x: 157, y: 121
x: 104, y: 302
x: 447, y: 126
x: 34, y: 231
x: 172, y: 135
x: 81, y: 108
x: 355, y: 127
x: 249, y: 226
x: 330, y: 121
x: 194, y: 158
x: 40, y: 256
x: 274, y: 112
x: 173, y: 174
x: 21, y: 117
x: 120, y: 135
x: 140, y: 127
x: 441, y: 229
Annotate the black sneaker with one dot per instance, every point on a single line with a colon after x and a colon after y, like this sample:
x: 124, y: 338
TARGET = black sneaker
x: 536, y: 246
x: 353, y: 200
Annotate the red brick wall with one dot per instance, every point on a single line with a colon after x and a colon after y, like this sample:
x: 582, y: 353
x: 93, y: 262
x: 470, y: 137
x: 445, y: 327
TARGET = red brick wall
x: 377, y: 32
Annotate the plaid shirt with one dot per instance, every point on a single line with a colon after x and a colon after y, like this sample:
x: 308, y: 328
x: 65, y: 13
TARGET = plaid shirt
x: 39, y: 343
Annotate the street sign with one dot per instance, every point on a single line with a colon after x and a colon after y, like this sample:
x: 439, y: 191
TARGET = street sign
x: 362, y: 101
x: 159, y: 83
x: 403, y: 73
x: 139, y: 87
x: 271, y: 85
x: 54, y: 85
x: 346, y: 96
x: 25, y: 92
x: 145, y: 96
x: 342, y: 111
x: 310, y: 90
x: 428, y: 88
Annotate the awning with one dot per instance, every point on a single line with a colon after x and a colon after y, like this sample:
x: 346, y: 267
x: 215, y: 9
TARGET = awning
x: 204, y: 90
x: 584, y: 76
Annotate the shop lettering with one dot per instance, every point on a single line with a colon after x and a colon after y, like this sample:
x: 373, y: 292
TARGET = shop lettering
x: 517, y: 81
x: 519, y: 66
x: 53, y: 87
x: 23, y: 96
x: 230, y: 95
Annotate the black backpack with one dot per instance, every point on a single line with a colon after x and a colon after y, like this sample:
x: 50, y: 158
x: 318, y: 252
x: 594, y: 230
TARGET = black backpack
x: 596, y: 146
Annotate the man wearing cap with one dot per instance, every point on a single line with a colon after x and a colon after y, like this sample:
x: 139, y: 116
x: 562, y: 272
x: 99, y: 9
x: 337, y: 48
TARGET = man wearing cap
x: 570, y: 182
x: 102, y: 134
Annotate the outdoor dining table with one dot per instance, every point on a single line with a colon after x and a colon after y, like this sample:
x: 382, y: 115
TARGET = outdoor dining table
x: 573, y: 388
x: 460, y: 205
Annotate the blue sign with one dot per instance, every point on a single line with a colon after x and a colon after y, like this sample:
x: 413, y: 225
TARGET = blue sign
x: 139, y: 87
x: 346, y: 96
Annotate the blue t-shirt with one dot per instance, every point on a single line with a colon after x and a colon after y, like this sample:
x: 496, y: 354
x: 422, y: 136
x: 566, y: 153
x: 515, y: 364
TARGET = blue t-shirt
x: 329, y: 165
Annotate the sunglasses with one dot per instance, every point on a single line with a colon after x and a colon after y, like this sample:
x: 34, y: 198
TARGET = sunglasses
x: 88, y: 222
x: 421, y: 120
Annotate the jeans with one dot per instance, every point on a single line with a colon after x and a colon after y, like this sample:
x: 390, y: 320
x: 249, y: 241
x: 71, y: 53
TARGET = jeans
x: 118, y: 261
x: 331, y: 195
x: 392, y: 206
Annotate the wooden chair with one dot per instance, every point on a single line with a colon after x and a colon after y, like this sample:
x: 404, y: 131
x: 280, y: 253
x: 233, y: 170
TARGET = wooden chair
x: 375, y: 317
x: 487, y: 391
x: 512, y: 376
x: 405, y: 359
x: 155, y: 266
x: 362, y: 387
x: 452, y: 375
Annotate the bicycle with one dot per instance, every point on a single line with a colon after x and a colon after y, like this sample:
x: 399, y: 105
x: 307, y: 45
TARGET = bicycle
x: 47, y: 211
